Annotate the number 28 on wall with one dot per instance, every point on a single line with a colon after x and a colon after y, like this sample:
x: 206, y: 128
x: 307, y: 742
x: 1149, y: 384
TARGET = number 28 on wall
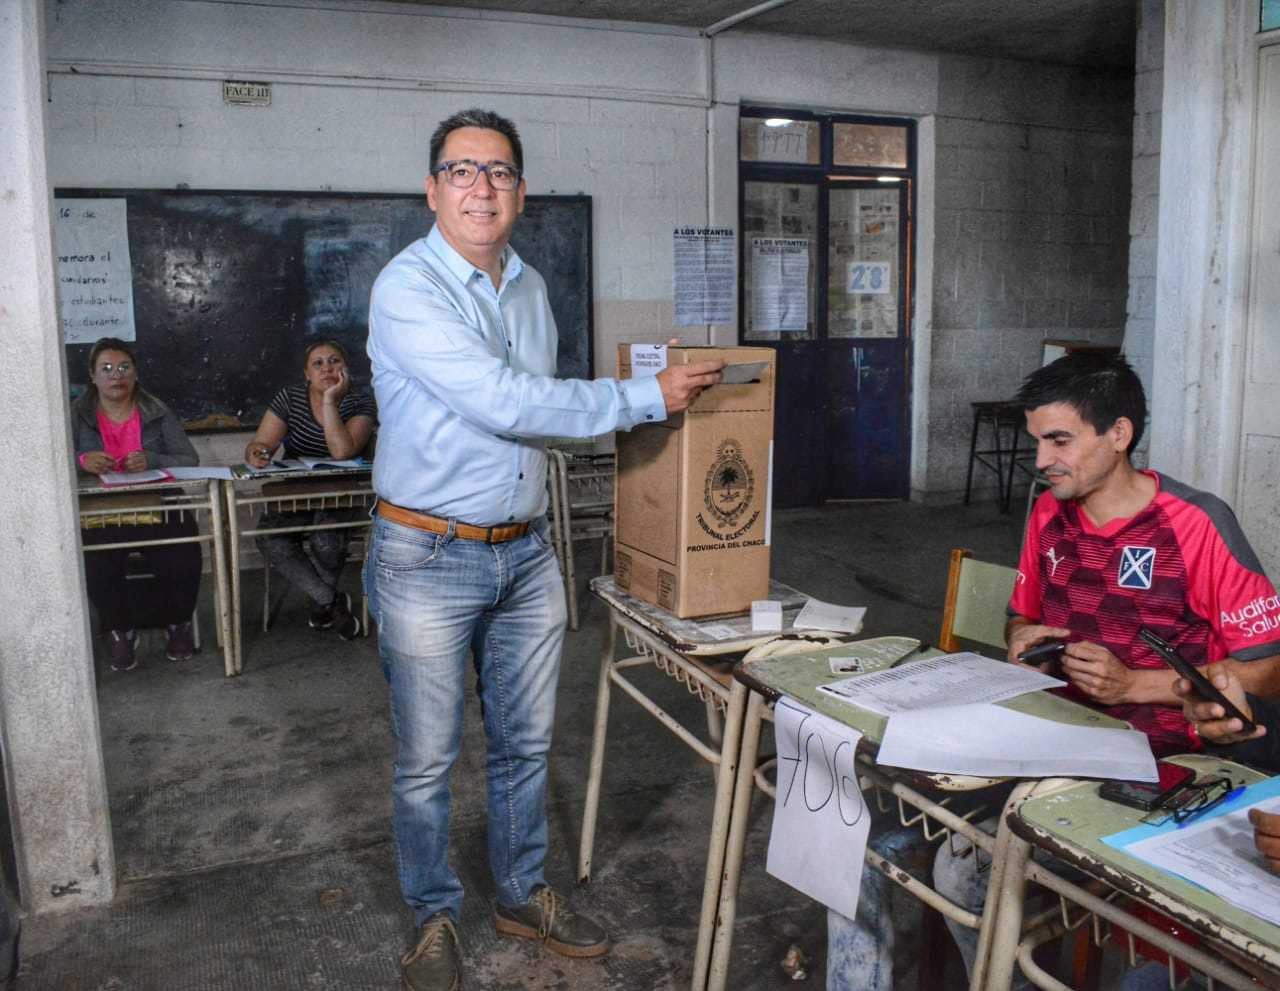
x: 868, y: 277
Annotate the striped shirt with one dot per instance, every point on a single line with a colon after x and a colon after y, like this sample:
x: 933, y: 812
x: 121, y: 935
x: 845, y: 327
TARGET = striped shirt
x: 305, y: 438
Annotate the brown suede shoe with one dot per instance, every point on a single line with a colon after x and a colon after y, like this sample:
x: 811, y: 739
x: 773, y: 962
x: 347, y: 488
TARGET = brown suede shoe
x: 435, y: 964
x: 549, y: 919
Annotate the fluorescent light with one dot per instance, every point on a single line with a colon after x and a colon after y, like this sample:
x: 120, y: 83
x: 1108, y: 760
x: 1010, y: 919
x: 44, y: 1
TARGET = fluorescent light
x: 888, y: 178
x: 777, y: 121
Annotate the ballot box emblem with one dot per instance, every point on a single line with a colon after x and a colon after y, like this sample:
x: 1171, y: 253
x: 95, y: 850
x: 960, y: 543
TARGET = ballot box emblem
x: 730, y: 484
x: 1137, y: 565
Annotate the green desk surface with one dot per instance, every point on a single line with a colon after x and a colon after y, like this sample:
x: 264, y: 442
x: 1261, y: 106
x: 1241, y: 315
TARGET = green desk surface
x: 1071, y: 823
x: 799, y: 675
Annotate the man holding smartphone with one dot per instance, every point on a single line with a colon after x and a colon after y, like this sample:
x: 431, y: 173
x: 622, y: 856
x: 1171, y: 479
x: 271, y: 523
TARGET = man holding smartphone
x: 1226, y: 735
x: 1110, y: 550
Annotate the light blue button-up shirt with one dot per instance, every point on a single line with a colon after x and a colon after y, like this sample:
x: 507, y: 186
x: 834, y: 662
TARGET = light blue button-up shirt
x: 464, y: 380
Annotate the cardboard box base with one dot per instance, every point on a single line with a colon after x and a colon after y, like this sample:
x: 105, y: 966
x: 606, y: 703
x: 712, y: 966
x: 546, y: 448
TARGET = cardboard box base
x: 703, y: 592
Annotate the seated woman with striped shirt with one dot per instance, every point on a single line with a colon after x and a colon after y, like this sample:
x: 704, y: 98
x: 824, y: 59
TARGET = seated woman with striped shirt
x: 318, y: 418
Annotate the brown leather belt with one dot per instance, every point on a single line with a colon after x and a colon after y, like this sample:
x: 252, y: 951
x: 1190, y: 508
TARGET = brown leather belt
x: 435, y: 524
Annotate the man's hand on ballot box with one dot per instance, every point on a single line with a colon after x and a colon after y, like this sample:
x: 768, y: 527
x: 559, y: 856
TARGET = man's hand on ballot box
x: 681, y: 384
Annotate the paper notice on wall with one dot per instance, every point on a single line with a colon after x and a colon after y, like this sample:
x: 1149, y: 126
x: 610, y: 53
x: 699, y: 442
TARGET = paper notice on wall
x: 704, y: 275
x: 647, y: 359
x: 820, y: 821
x: 780, y: 283
x: 95, y: 280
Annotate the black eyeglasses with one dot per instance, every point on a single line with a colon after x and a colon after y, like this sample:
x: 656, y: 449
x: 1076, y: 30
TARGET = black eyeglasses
x: 121, y: 370
x: 463, y: 173
x: 1192, y: 802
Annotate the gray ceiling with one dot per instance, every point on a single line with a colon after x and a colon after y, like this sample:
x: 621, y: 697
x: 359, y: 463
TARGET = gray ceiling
x: 1094, y: 33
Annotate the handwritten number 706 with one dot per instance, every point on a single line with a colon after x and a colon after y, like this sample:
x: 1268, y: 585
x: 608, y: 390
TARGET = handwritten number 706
x: 820, y: 776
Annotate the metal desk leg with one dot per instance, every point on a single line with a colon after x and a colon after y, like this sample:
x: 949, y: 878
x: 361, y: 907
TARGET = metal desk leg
x: 566, y: 530
x: 739, y: 815
x: 722, y: 820
x: 1002, y: 913
x: 220, y: 576
x: 598, y: 736
x: 233, y: 539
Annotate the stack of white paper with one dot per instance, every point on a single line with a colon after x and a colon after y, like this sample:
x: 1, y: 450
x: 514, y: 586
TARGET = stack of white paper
x: 817, y: 615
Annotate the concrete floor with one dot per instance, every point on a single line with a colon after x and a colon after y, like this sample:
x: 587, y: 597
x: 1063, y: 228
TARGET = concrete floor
x: 251, y: 815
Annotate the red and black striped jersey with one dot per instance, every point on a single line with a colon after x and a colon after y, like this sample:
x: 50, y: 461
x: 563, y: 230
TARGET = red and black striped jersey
x: 1181, y: 567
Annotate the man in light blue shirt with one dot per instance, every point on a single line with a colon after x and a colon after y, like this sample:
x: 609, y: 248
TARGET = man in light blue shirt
x: 463, y: 348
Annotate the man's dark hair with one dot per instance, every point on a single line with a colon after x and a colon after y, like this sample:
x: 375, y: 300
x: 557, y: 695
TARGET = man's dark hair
x: 1101, y: 387
x: 475, y: 117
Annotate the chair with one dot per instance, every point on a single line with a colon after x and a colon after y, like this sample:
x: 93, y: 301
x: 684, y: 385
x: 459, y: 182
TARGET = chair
x: 976, y: 604
x: 975, y: 609
x: 1005, y: 421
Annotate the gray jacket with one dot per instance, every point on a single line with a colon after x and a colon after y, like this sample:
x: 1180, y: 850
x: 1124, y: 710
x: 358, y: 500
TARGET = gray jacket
x: 163, y: 440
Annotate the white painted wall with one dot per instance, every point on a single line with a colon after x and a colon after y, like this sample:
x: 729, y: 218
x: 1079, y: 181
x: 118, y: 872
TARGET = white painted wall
x: 1210, y: 67
x: 644, y: 119
x: 54, y: 778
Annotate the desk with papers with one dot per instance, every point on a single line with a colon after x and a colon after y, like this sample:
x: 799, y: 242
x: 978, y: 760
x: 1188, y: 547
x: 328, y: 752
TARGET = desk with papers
x: 699, y: 654
x: 1080, y: 829
x: 199, y: 494
x: 798, y: 677
x: 298, y: 489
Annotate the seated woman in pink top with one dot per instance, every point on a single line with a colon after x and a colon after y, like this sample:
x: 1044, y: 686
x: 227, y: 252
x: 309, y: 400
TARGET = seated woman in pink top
x: 119, y: 426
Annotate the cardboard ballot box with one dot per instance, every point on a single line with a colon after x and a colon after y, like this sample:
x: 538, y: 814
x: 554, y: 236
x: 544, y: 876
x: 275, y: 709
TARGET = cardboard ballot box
x: 693, y: 496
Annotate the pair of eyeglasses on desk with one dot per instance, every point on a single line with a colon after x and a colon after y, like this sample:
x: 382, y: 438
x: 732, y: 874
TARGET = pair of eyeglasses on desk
x: 1191, y: 802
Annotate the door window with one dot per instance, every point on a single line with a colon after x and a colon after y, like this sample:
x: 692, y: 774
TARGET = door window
x: 863, y: 262
x: 780, y: 244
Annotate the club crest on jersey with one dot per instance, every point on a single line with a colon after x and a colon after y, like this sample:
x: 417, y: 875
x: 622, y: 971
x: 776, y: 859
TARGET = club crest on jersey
x: 1137, y: 565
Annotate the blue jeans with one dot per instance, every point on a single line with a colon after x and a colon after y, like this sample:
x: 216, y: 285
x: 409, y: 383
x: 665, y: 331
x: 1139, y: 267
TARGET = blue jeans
x: 860, y: 950
x: 436, y: 599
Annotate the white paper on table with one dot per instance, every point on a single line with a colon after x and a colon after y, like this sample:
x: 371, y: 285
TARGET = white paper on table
x: 647, y: 359
x: 820, y: 821
x: 742, y: 372
x: 766, y: 616
x: 134, y: 477
x: 200, y: 471
x: 992, y: 741
x: 937, y: 682
x: 718, y: 631
x: 818, y: 615
x: 1218, y: 854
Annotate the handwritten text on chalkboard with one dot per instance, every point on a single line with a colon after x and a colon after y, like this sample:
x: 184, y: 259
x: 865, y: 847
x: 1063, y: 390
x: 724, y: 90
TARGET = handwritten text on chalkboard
x: 95, y: 284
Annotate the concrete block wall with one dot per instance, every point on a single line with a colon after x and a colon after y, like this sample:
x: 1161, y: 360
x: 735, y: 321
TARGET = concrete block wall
x: 1148, y: 91
x: 1031, y: 166
x: 1031, y: 209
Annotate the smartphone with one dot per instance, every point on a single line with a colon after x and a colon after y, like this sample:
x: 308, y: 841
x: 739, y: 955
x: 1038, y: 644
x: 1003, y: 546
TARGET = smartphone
x: 1148, y: 795
x: 1203, y: 686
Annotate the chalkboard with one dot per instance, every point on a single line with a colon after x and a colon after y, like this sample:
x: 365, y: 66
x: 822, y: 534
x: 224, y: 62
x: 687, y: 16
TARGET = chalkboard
x: 229, y: 286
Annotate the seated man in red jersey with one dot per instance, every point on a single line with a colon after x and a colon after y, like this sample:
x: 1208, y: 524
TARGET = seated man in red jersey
x: 1111, y: 549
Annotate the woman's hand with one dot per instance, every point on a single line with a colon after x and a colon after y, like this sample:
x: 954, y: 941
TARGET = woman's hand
x: 98, y: 462
x: 257, y: 454
x: 339, y: 389
x: 135, y: 461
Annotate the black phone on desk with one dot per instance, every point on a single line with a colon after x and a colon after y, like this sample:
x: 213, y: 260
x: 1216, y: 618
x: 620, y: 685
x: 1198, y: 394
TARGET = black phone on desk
x: 1203, y: 686
x: 1148, y: 795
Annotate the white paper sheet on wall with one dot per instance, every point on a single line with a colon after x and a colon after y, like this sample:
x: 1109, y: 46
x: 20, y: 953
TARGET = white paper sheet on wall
x: 820, y: 820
